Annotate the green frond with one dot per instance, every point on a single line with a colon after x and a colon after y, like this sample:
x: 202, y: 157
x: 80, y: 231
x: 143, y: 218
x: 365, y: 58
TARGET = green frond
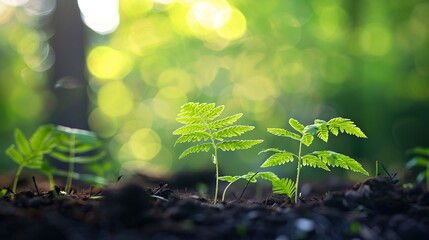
x: 270, y: 176
x: 189, y: 120
x: 278, y: 159
x: 307, y: 139
x: 15, y: 155
x: 323, y: 131
x: 340, y: 124
x: 296, y: 125
x: 284, y: 186
x: 232, y: 131
x: 41, y: 135
x: 229, y: 178
x: 284, y: 133
x: 271, y: 150
x: 420, y: 151
x: 313, y: 161
x: 237, y: 144
x: 224, y: 122
x: 22, y: 143
x: 205, y: 147
x: 190, y: 128
x: 214, y: 113
x: 193, y: 137
x: 334, y: 159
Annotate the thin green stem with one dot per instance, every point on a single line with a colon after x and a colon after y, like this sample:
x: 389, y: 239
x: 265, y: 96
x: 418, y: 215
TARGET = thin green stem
x: 52, y: 184
x: 298, y: 170
x: 226, y: 188
x: 71, y: 164
x: 15, y: 182
x: 376, y: 168
x: 217, y: 172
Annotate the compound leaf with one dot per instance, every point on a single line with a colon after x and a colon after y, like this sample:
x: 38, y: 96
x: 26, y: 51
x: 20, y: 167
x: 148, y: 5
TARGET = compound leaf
x: 22, y: 143
x: 193, y: 137
x: 284, y: 186
x: 283, y: 133
x: 205, y: 147
x: 313, y: 161
x: 224, y: 122
x: 340, y: 124
x: 15, y: 155
x: 232, y: 131
x: 296, y: 125
x: 190, y: 128
x: 339, y: 160
x: 278, y: 159
x: 237, y: 144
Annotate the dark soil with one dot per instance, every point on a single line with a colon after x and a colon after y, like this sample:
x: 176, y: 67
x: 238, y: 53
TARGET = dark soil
x: 373, y: 209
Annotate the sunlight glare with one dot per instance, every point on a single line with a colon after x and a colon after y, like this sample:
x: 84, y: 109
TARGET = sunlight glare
x: 114, y: 99
x: 102, y: 16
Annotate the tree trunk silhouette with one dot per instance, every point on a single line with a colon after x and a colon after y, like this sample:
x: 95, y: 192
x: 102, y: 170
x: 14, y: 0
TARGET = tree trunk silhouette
x: 68, y: 79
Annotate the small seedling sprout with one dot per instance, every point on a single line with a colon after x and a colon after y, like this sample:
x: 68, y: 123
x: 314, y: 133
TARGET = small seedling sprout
x: 320, y: 159
x: 201, y: 125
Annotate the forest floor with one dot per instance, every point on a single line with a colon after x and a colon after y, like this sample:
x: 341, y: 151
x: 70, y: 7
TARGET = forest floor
x: 373, y: 209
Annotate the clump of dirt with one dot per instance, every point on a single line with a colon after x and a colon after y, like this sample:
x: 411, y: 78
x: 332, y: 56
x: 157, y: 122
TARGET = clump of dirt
x: 373, y: 209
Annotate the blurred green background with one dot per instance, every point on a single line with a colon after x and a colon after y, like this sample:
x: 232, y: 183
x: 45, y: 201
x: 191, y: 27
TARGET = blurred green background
x: 364, y: 60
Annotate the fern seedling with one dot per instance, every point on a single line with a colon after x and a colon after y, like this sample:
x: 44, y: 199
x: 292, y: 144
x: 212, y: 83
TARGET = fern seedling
x: 200, y: 125
x: 250, y: 176
x: 321, y: 159
x: 421, y: 159
x: 29, y: 153
x: 76, y: 146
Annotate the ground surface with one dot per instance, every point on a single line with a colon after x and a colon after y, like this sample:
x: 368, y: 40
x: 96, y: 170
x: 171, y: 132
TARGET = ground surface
x: 373, y: 209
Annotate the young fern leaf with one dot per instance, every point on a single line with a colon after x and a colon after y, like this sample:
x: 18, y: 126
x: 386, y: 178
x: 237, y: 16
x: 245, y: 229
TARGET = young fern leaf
x: 283, y: 133
x: 345, y: 125
x: 233, y: 145
x: 224, y: 122
x: 284, y: 186
x: 232, y: 131
x: 205, y: 147
x: 193, y: 137
x: 296, y: 125
x: 318, y: 159
x: 334, y: 159
x: 200, y: 125
x: 314, y: 161
x: 278, y: 159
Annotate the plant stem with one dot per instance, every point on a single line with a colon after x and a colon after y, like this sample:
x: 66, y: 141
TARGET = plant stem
x: 226, y: 188
x: 52, y: 184
x: 71, y: 165
x: 298, y: 170
x: 376, y: 168
x: 15, y: 182
x: 217, y: 172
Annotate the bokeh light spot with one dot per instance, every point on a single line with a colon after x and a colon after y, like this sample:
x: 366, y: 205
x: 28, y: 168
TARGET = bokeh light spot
x: 107, y: 63
x: 114, y: 99
x: 375, y: 39
x: 145, y: 144
x: 105, y: 126
x: 135, y: 8
x: 102, y: 16
x: 235, y: 28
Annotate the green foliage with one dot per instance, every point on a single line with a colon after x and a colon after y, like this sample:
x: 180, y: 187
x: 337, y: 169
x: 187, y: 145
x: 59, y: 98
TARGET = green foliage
x: 77, y: 146
x: 284, y: 186
x: 420, y: 160
x: 201, y: 125
x: 250, y: 177
x: 29, y: 153
x: 64, y: 144
x: 317, y: 159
